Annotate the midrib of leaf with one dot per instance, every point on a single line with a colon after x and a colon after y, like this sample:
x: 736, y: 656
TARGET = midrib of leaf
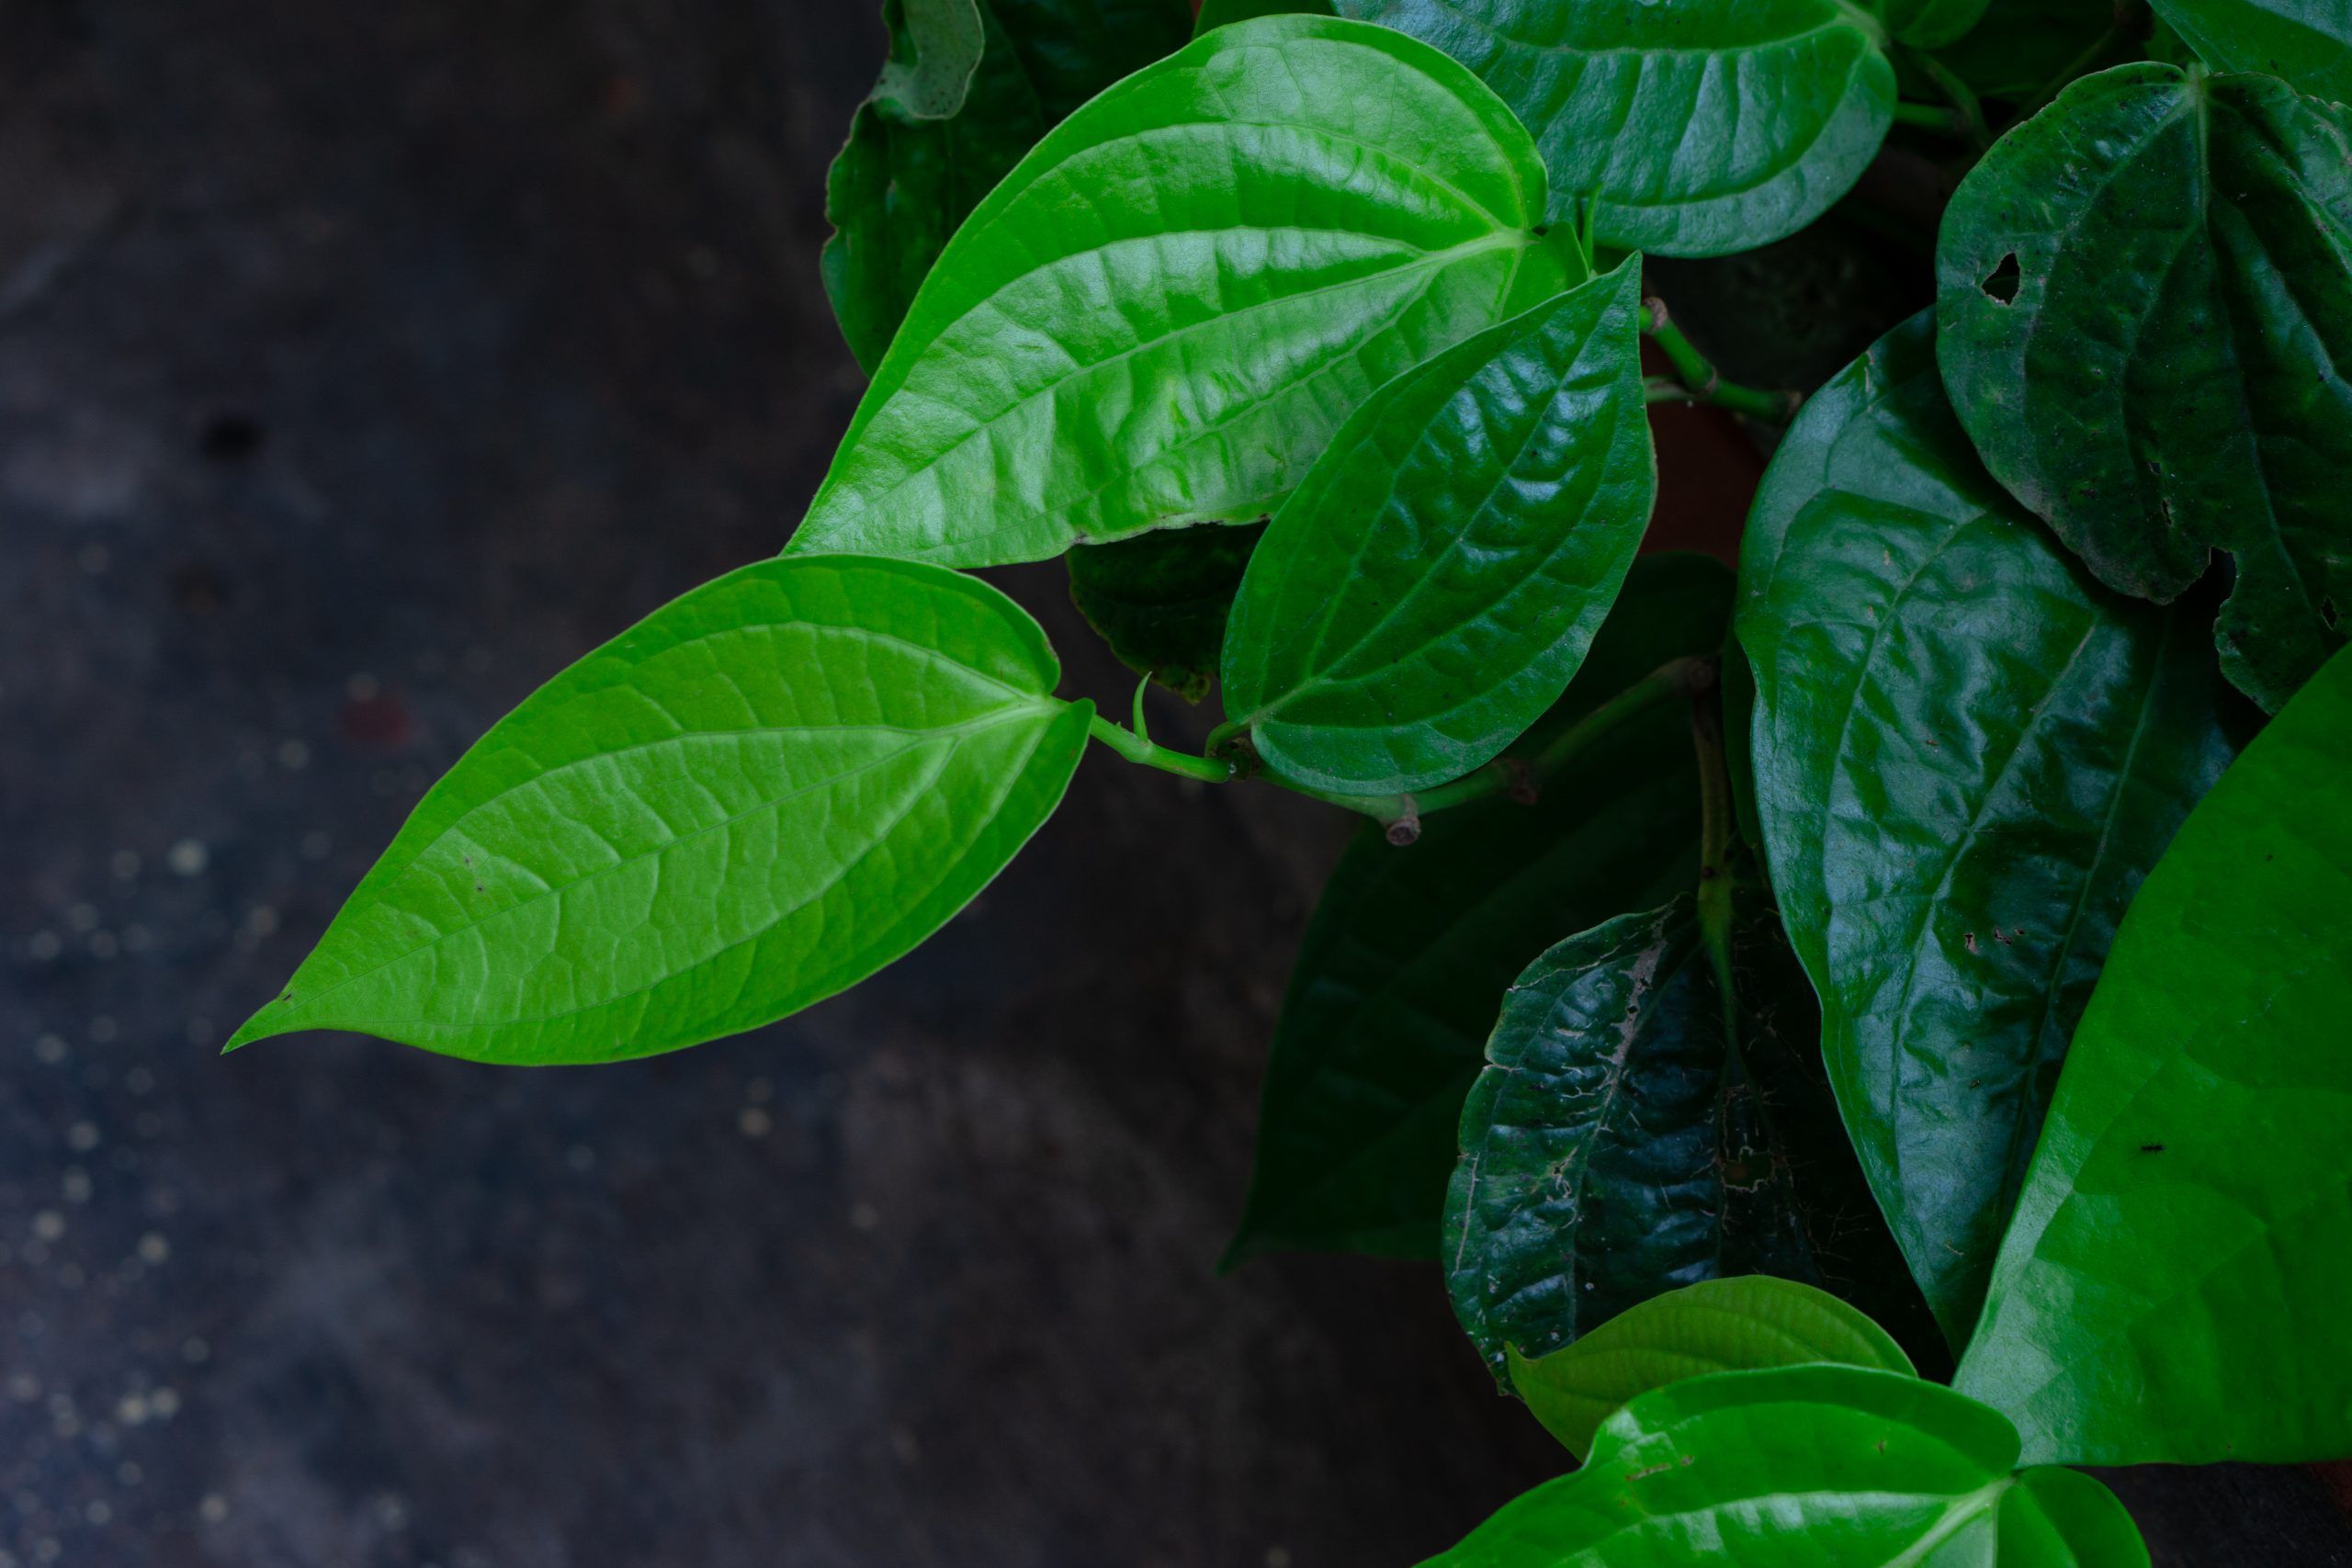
x: 1958, y: 1513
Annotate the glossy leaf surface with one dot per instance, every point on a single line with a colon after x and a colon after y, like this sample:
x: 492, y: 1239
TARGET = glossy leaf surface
x: 1410, y: 951
x: 758, y: 796
x: 1806, y: 1467
x: 1744, y: 1323
x: 1693, y: 129
x: 2173, y: 1288
x: 1636, y: 1131
x: 1160, y: 599
x: 1164, y: 311
x: 1966, y: 755
x: 970, y: 86
x: 2308, y: 42
x: 1430, y: 589
x: 2143, y: 295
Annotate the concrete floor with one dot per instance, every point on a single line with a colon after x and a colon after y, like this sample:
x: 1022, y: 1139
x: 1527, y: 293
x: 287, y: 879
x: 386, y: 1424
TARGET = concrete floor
x: 359, y: 368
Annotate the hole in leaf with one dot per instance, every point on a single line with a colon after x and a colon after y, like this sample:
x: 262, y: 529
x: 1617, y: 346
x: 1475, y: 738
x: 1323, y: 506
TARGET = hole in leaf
x: 2002, y: 286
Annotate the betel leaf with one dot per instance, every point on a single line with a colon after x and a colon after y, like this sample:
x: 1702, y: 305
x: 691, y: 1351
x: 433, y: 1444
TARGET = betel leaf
x: 1160, y: 599
x: 1693, y: 129
x: 1744, y: 1323
x: 1636, y: 1129
x: 2308, y: 42
x: 1164, y: 311
x: 1806, y: 1467
x: 1225, y: 13
x: 1932, y: 24
x: 2174, y: 1286
x: 1410, y: 952
x: 1431, y: 587
x: 921, y: 156
x: 2018, y: 47
x: 758, y: 796
x: 2144, y: 295
x: 1966, y: 755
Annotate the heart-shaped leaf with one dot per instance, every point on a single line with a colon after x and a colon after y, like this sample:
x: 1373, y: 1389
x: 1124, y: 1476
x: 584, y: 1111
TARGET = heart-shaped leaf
x: 2309, y: 42
x: 970, y: 86
x: 1431, y: 587
x: 1966, y: 757
x: 2144, y: 295
x: 1166, y: 310
x: 1694, y: 129
x: 760, y: 795
x: 1160, y: 599
x: 1806, y: 1467
x: 1744, y: 1323
x: 1410, y: 951
x: 2173, y: 1288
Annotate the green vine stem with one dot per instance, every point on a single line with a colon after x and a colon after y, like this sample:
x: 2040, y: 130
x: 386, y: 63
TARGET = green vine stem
x: 1703, y: 382
x: 1151, y: 754
x: 1967, y: 116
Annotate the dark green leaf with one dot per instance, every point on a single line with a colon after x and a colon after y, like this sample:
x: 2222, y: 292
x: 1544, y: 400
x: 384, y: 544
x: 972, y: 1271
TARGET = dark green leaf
x: 2020, y: 46
x: 1967, y: 755
x: 1693, y: 129
x: 1166, y: 310
x: 1410, y: 953
x: 1806, y: 1467
x: 1431, y: 587
x: 1160, y: 599
x: 1224, y: 13
x: 2174, y: 1286
x: 2309, y: 42
x: 2144, y: 295
x: 919, y: 158
x: 1931, y: 23
x: 757, y: 797
x: 1636, y: 1129
x: 1744, y: 1323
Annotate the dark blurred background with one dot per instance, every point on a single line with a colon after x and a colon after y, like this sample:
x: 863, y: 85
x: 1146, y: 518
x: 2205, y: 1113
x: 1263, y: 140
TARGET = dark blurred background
x: 359, y: 368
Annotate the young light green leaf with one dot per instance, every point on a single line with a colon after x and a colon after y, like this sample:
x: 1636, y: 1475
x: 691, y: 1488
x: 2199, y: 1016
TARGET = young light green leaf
x: 1694, y: 129
x: 1966, y: 756
x: 757, y: 797
x: 2173, y: 1287
x: 1431, y: 587
x: 917, y: 162
x: 1636, y: 1129
x: 2308, y: 42
x: 1744, y: 1323
x: 1170, y: 305
x: 2143, y: 296
x: 1160, y: 599
x: 1225, y: 13
x: 1806, y: 1467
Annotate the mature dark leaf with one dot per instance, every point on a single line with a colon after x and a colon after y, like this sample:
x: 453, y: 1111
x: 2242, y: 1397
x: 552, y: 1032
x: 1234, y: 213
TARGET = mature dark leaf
x: 1966, y: 757
x: 2144, y: 294
x: 1224, y: 13
x: 1166, y: 310
x: 1160, y: 599
x: 1410, y: 951
x: 1932, y: 24
x: 970, y: 86
x: 2020, y: 46
x: 2309, y: 42
x: 2174, y: 1286
x: 1694, y: 129
x: 1431, y: 587
x: 1807, y: 1467
x: 1636, y: 1129
x: 760, y: 795
x: 1744, y: 1323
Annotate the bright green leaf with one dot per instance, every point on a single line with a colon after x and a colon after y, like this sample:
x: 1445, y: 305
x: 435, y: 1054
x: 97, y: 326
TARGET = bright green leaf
x: 758, y: 796
x: 1431, y: 587
x: 2174, y: 1286
x: 1408, y: 954
x: 1967, y: 755
x: 1168, y: 309
x: 1693, y: 129
x: 919, y: 159
x: 1744, y: 1323
x: 2144, y: 294
x: 2309, y: 42
x: 1225, y: 13
x: 1806, y: 1467
x: 1160, y: 599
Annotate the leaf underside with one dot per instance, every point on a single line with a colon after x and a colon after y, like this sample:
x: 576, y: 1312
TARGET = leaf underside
x: 1160, y: 600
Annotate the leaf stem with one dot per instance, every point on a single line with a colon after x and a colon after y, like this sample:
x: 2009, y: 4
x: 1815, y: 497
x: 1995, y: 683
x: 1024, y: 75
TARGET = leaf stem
x: 1151, y: 754
x: 1717, y: 836
x: 1705, y: 382
x: 1968, y: 112
x: 1928, y: 116
x: 2131, y: 20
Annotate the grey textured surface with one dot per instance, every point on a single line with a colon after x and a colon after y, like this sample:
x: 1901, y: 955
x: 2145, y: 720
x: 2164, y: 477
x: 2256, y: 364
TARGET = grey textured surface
x: 359, y: 367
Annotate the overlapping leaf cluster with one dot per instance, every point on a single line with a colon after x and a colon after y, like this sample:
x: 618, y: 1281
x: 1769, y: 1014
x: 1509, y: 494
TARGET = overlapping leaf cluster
x: 1926, y: 916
